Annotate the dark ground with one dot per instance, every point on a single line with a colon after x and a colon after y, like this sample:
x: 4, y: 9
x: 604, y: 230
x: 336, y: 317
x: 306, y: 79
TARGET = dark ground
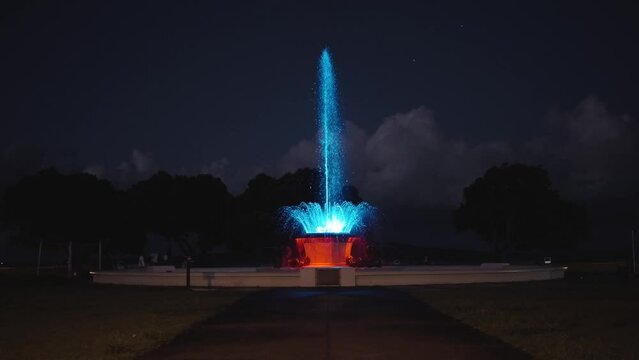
x: 333, y: 323
x: 53, y: 318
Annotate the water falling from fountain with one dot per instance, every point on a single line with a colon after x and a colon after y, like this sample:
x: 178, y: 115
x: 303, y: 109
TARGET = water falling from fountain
x: 330, y: 131
x: 335, y: 216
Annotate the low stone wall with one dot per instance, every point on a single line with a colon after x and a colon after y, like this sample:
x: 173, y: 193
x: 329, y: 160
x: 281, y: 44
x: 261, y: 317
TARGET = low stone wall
x: 139, y: 278
x: 275, y: 278
x: 203, y: 277
x: 307, y: 277
x: 461, y: 275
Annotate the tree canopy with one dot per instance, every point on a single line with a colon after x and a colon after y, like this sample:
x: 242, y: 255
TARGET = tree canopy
x: 57, y: 208
x: 174, y: 206
x: 514, y: 206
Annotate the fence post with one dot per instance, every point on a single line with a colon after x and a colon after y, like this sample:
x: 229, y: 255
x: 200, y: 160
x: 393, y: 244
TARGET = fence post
x: 39, y: 257
x: 70, y: 261
x: 634, y: 253
x: 100, y: 255
x: 188, y: 272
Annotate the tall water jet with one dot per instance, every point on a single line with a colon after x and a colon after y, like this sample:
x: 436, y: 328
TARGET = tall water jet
x: 330, y: 130
x: 330, y: 229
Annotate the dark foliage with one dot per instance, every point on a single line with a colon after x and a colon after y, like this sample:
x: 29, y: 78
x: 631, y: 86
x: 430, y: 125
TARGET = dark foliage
x: 59, y: 208
x: 259, y: 229
x: 175, y: 206
x: 514, y: 206
x: 195, y: 213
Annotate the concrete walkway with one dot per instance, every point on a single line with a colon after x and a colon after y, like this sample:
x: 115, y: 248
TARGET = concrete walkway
x: 336, y: 323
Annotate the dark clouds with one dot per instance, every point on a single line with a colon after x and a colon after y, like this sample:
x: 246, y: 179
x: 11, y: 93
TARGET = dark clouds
x: 217, y: 168
x: 191, y: 85
x: 593, y: 152
x: 138, y: 167
x: 16, y: 162
x: 407, y: 159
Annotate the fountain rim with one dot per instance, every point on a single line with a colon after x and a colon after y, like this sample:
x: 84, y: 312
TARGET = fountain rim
x: 327, y: 235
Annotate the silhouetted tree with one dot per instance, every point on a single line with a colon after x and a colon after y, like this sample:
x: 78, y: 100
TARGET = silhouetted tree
x: 128, y: 233
x: 57, y: 209
x: 154, y: 202
x: 61, y: 209
x: 259, y: 218
x: 350, y: 193
x: 260, y: 226
x: 175, y: 206
x: 258, y: 208
x: 514, y: 206
x: 207, y: 209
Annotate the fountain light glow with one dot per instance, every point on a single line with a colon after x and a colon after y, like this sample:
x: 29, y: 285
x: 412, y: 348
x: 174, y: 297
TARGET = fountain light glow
x: 335, y: 216
x: 330, y: 129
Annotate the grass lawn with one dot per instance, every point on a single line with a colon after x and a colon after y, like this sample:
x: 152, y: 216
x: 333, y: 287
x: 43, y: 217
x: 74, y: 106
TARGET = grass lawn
x: 564, y: 319
x: 52, y: 318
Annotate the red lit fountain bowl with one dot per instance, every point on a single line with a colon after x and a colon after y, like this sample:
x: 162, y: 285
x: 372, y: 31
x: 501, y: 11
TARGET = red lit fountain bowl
x: 325, y: 250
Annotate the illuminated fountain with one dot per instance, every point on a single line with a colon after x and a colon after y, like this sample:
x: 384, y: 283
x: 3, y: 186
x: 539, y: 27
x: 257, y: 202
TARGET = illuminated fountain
x: 331, y: 229
x: 330, y: 235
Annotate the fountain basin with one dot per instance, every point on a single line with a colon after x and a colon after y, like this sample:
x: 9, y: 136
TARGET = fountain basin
x: 325, y: 250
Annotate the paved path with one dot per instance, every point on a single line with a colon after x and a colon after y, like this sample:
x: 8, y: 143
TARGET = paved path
x: 337, y: 323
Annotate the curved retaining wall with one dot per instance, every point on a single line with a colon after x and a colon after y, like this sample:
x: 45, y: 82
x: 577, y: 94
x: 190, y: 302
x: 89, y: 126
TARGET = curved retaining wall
x: 465, y: 275
x: 340, y: 276
x: 209, y: 277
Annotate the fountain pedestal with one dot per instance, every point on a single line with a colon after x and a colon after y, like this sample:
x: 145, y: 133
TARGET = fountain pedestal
x: 326, y: 249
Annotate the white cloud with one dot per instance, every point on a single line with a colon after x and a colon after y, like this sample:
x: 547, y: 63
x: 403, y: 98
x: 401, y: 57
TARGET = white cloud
x: 138, y: 167
x: 592, y: 151
x: 142, y: 163
x: 217, y: 168
x: 408, y: 160
x: 96, y: 170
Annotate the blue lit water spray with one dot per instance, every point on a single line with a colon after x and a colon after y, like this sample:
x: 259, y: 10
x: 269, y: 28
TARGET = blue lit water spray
x: 330, y: 130
x: 336, y: 216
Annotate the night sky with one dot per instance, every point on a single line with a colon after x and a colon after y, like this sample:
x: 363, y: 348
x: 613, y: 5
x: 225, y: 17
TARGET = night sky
x: 432, y: 93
